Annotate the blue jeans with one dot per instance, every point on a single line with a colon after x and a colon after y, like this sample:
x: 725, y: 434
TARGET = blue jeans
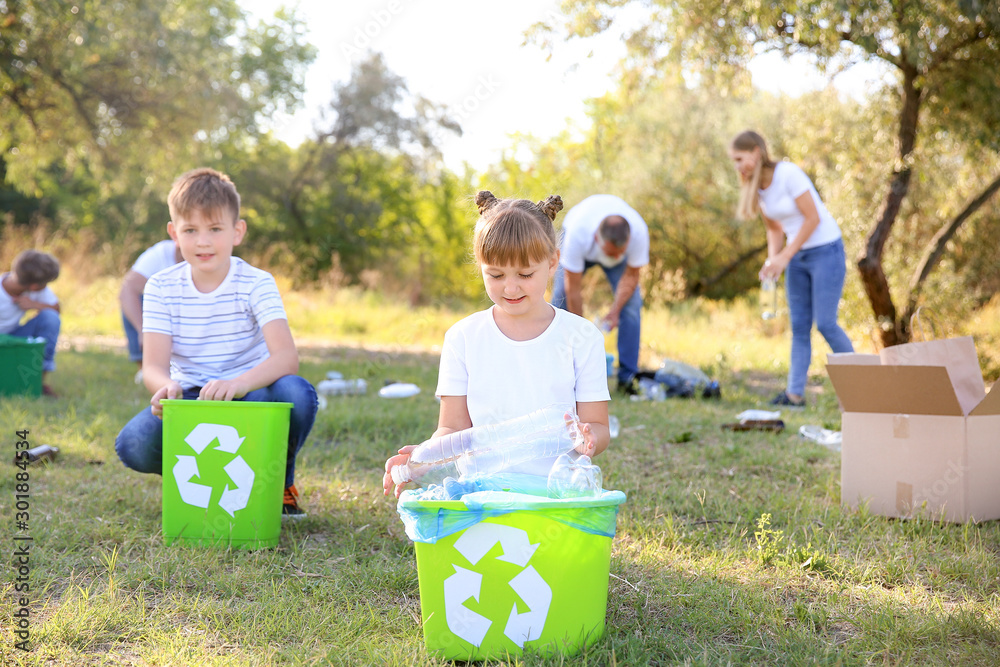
x: 815, y: 283
x: 43, y: 325
x: 629, y: 321
x: 133, y: 337
x: 140, y: 443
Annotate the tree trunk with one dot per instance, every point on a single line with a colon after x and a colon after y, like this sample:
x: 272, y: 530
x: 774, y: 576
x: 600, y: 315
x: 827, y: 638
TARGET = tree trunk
x: 935, y: 248
x: 702, y: 285
x: 873, y: 277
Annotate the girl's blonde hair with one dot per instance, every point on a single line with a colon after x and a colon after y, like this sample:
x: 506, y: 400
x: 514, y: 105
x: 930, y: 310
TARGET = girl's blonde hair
x: 515, y: 232
x: 749, y: 204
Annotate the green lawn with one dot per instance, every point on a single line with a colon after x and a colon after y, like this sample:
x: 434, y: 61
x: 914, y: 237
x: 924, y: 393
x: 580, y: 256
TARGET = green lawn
x: 732, y: 548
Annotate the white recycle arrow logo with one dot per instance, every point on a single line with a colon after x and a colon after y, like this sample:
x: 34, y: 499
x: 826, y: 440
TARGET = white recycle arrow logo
x: 474, y: 544
x: 238, y: 470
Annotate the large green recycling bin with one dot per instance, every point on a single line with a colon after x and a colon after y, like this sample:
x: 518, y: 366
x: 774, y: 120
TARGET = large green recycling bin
x: 21, y: 361
x: 224, y: 472
x: 515, y: 580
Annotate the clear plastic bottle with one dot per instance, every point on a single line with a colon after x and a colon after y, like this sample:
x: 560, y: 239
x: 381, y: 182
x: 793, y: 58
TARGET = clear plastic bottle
x: 486, y: 450
x: 768, y: 298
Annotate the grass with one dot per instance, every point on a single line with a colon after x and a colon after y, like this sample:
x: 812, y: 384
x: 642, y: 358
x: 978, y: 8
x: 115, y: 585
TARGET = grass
x: 732, y: 548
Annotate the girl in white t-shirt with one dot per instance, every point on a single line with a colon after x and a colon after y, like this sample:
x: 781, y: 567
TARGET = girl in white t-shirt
x: 804, y: 242
x: 522, y: 353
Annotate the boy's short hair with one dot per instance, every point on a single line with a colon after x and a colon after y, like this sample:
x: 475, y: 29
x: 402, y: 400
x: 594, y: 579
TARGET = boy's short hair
x: 32, y: 267
x: 205, y: 190
x: 615, y: 230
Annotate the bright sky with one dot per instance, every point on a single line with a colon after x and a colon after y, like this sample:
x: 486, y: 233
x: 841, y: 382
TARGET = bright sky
x: 470, y: 56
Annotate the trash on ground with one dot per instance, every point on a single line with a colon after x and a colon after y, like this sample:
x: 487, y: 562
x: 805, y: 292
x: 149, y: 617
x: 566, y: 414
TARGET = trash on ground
x: 42, y: 453
x: 759, y: 415
x: 342, y: 387
x: 822, y: 436
x: 614, y: 426
x: 399, y: 390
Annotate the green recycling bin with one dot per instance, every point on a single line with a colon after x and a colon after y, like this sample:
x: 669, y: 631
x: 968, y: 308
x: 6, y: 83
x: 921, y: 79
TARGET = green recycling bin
x: 224, y: 472
x: 21, y: 359
x: 501, y: 573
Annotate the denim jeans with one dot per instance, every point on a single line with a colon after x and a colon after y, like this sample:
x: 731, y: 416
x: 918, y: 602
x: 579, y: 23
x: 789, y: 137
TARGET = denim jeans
x: 133, y: 337
x: 43, y: 325
x: 140, y: 443
x: 814, y: 281
x: 629, y: 322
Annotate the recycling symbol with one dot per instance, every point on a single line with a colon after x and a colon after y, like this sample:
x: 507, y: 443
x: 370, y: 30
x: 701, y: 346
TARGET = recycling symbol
x: 239, y: 472
x: 474, y: 544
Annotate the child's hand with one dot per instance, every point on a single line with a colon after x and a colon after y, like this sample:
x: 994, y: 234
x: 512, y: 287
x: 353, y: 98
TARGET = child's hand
x: 169, y: 390
x: 589, y: 445
x: 399, y: 459
x: 223, y: 390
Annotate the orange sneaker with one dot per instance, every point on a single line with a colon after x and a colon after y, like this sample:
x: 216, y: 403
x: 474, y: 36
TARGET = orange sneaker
x: 290, y: 506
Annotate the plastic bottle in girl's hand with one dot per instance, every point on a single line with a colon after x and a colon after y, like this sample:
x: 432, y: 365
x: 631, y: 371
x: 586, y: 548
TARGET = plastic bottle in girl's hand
x: 493, y: 448
x: 768, y: 298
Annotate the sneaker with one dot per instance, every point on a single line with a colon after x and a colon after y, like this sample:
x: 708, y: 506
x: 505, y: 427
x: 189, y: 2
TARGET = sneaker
x: 627, y: 388
x: 290, y: 506
x: 784, y: 399
x: 47, y: 391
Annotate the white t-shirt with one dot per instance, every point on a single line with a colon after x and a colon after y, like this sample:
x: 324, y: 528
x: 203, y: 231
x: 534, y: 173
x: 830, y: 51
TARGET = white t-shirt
x: 503, y: 378
x: 580, y: 225
x: 157, y: 257
x: 11, y: 313
x: 215, y: 336
x: 777, y: 202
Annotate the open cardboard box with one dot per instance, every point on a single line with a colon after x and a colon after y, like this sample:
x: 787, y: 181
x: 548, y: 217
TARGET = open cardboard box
x: 910, y: 446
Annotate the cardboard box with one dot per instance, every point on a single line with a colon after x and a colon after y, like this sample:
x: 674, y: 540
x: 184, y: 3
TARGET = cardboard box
x: 909, y: 446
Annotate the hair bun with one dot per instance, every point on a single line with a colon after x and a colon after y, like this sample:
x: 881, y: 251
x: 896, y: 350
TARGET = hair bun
x: 485, y: 200
x: 551, y: 206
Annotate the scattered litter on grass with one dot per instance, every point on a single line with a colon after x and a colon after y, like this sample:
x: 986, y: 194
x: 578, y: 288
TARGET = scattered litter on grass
x: 399, y: 390
x: 822, y: 436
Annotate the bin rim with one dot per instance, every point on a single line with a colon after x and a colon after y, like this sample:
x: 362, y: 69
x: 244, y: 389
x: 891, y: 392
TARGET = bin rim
x: 507, y: 500
x: 6, y: 340
x: 225, y: 404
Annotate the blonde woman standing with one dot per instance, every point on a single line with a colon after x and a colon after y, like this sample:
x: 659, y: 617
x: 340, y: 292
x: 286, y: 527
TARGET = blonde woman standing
x: 804, y: 242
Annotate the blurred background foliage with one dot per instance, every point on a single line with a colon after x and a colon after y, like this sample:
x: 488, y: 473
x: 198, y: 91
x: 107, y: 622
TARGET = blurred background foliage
x: 103, y: 104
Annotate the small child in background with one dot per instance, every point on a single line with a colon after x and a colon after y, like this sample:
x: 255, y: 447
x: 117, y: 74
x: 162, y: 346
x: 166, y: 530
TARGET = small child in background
x: 25, y: 288
x: 521, y: 354
x: 214, y: 328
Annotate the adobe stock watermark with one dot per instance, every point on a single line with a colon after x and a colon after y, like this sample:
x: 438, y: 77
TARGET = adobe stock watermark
x: 485, y: 88
x: 367, y: 33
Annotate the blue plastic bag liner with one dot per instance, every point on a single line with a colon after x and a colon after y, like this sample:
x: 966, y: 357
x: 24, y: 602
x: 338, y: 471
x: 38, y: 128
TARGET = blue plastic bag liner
x: 428, y: 519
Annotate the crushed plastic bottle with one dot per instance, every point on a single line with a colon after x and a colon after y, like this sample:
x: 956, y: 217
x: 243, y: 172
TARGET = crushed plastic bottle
x: 822, y: 436
x: 574, y: 478
x: 650, y: 390
x: 486, y: 450
x: 399, y: 390
x: 614, y: 426
x: 602, y: 324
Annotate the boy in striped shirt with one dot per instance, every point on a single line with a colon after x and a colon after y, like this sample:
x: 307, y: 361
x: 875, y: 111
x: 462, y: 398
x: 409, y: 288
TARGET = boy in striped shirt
x: 214, y: 327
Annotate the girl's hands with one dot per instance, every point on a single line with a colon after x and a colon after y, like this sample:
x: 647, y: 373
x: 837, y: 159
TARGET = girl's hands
x: 400, y: 458
x: 589, y: 445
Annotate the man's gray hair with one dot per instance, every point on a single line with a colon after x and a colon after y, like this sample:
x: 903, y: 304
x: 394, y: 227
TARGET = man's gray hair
x: 615, y: 230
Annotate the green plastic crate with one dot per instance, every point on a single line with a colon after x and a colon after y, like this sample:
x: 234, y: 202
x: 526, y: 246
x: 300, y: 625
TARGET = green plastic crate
x: 21, y: 362
x: 224, y: 472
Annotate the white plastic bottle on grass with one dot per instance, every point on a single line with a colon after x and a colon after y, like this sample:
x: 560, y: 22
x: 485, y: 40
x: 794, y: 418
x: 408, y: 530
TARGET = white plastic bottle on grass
x: 493, y: 448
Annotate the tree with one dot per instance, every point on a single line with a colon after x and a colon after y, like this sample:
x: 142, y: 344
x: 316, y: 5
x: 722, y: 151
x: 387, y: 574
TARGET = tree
x: 945, y: 60
x: 103, y: 101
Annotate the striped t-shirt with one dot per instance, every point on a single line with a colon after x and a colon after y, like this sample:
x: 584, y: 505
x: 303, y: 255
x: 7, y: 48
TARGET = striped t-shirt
x: 215, y: 335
